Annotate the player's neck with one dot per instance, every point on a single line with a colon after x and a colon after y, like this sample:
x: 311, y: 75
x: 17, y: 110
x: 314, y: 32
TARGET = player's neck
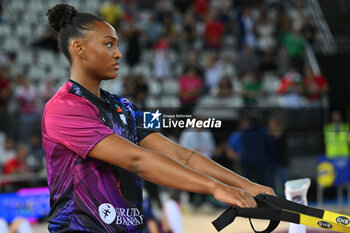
x: 89, y: 83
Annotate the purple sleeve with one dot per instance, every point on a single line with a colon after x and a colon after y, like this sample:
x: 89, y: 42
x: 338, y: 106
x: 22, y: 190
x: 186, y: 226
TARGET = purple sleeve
x: 75, y: 123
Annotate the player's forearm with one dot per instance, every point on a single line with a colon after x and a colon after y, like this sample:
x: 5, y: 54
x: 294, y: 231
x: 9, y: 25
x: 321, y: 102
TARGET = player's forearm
x: 151, y: 165
x: 202, y: 164
x: 157, y: 142
x: 165, y: 171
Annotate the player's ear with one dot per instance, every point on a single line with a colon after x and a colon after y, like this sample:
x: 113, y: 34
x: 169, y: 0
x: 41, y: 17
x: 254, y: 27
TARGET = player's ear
x: 77, y: 49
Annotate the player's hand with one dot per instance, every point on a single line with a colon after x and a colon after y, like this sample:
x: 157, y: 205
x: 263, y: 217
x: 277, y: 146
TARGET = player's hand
x: 234, y: 196
x: 255, y: 189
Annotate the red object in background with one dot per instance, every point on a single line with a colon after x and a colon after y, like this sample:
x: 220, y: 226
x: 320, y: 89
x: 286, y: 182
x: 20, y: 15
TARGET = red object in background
x: 162, y: 44
x: 13, y: 166
x: 190, y: 84
x: 284, y: 85
x: 318, y: 83
x: 213, y: 33
x: 201, y: 7
x: 127, y: 16
x: 5, y: 85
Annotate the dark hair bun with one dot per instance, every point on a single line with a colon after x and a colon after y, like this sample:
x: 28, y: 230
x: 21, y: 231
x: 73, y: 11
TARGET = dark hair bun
x: 60, y: 15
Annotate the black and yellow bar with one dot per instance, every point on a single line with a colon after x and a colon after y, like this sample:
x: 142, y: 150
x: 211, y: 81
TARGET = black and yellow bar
x: 277, y: 209
x: 265, y: 200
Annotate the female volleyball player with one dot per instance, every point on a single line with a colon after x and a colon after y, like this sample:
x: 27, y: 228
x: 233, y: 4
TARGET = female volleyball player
x: 97, y: 150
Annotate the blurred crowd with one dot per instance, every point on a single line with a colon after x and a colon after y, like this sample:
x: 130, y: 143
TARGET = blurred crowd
x: 217, y: 48
x: 222, y: 48
x: 209, y: 48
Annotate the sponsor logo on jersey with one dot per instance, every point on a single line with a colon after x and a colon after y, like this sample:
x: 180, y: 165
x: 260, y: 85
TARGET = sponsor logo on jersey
x: 107, y: 213
x: 120, y: 216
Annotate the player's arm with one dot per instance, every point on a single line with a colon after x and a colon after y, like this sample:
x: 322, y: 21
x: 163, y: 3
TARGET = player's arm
x: 162, y: 170
x: 202, y: 164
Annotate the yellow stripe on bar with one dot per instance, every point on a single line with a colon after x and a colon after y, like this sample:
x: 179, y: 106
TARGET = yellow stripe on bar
x: 323, y: 223
x: 336, y: 217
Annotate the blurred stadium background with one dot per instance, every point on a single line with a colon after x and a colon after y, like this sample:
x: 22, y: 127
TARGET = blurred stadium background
x: 281, y: 66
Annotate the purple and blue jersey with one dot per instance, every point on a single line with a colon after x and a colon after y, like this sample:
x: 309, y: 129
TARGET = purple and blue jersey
x: 86, y: 194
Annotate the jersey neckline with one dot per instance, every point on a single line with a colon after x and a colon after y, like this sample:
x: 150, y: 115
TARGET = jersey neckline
x: 89, y: 94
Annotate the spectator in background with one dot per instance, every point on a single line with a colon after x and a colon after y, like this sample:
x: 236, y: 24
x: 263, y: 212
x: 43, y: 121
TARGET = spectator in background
x: 172, y: 221
x: 295, y: 44
x: 141, y: 91
x: 234, y: 143
x: 182, y: 5
x: 7, y: 149
x: 5, y: 95
x: 47, y: 91
x: 224, y: 89
x: 17, y: 164
x: 248, y: 61
x: 150, y: 222
x: 129, y: 86
x: 268, y: 63
x: 220, y: 154
x: 277, y: 153
x: 265, y: 32
x: 251, y: 88
x: 213, y: 32
x: 315, y: 86
x: 290, y: 88
x: 192, y: 60
x: 309, y: 31
x: 47, y: 41
x: 191, y: 86
x: 247, y: 24
x: 170, y: 29
x: 160, y: 62
x: 201, y: 7
x: 36, y: 155
x: 297, y: 13
x: 163, y: 10
x: 222, y: 8
x: 26, y: 96
x: 254, y: 159
x: 336, y: 137
x: 189, y: 29
x: 153, y: 30
x: 229, y: 68
x: 213, y: 72
x: 131, y: 9
x: 112, y: 12
x: 132, y: 34
x: 283, y: 23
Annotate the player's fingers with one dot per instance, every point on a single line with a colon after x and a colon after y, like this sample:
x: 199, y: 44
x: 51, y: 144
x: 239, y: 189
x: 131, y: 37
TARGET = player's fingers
x: 271, y: 192
x: 248, y: 200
